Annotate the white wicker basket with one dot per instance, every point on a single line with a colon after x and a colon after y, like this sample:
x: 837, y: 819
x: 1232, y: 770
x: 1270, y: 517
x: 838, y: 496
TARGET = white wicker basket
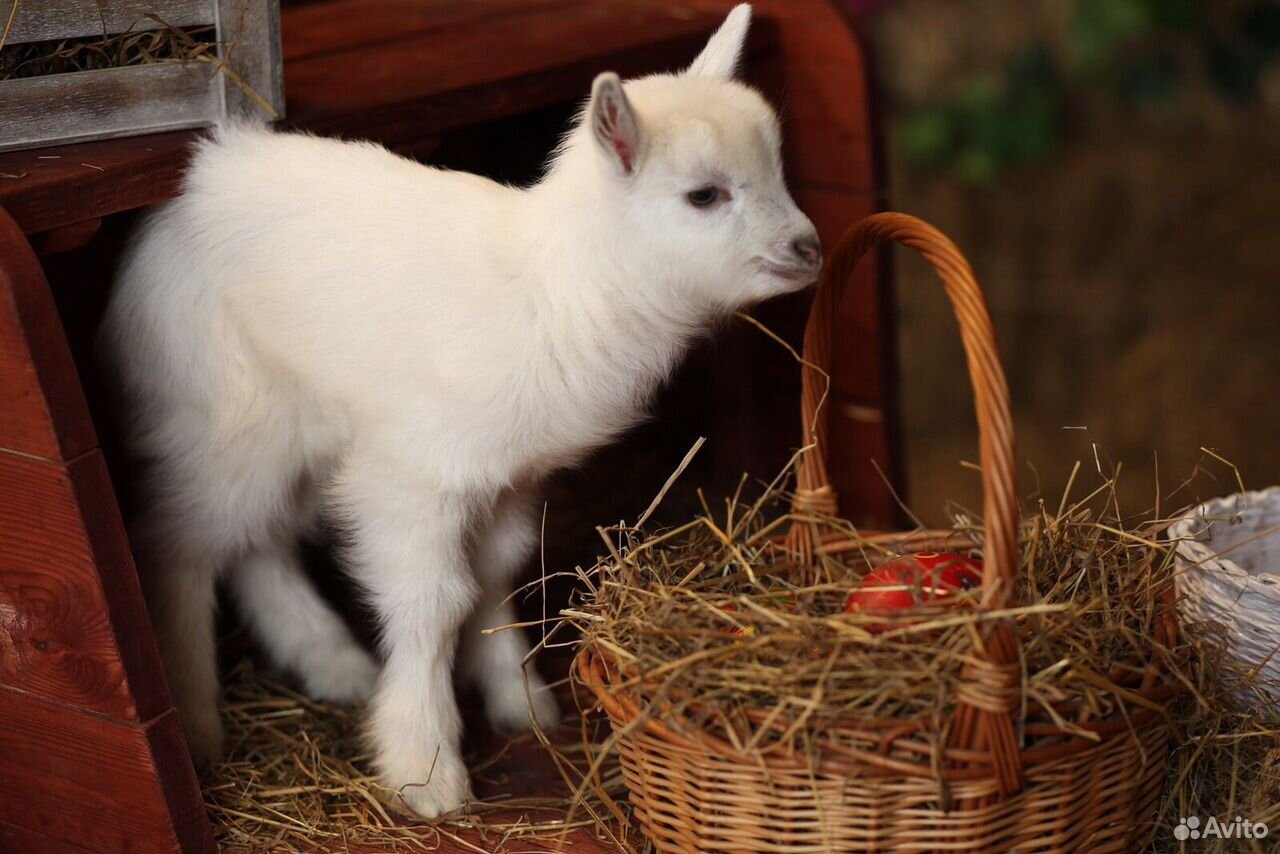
x: 1229, y: 553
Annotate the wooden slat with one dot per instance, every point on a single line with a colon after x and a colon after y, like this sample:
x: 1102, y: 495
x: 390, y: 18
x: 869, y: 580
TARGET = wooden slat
x: 49, y: 188
x: 43, y: 20
x: 134, y: 639
x: 863, y: 425
x: 111, y: 102
x: 96, y: 782
x: 250, y: 33
x: 56, y: 637
x: 819, y: 77
x: 825, y: 141
x: 482, y: 70
x: 481, y: 50
x: 65, y: 238
x: 42, y: 407
x: 404, y: 123
x: 330, y: 27
x: 22, y: 840
x: 858, y: 342
x: 183, y: 799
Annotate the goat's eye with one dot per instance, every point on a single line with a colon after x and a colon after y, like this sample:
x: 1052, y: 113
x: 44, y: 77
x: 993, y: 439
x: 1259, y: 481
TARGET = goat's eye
x: 703, y: 196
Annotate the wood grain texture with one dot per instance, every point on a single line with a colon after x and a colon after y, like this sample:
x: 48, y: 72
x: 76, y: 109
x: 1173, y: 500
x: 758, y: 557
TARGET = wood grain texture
x: 323, y: 28
x: 49, y: 188
x: 65, y: 239
x: 42, y: 408
x: 46, y: 20
x: 106, y: 103
x: 249, y: 31
x: 73, y: 625
x: 826, y: 141
x: 92, y: 781
x: 23, y: 840
x: 501, y: 59
x: 56, y: 638
x: 863, y: 431
x: 818, y: 76
x: 113, y: 561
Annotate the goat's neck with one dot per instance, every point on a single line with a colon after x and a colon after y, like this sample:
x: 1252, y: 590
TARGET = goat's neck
x: 611, y: 322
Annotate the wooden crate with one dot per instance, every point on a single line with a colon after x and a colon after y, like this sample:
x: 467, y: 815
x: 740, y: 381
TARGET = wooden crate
x: 242, y: 77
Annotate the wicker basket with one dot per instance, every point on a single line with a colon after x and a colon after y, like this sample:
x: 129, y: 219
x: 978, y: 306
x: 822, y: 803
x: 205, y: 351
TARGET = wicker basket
x: 996, y: 777
x: 1229, y: 573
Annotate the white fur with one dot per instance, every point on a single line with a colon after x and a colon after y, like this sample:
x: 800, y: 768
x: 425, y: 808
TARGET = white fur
x: 321, y: 326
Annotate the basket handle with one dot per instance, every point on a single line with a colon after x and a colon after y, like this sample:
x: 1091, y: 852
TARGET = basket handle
x: 988, y: 697
x: 991, y: 391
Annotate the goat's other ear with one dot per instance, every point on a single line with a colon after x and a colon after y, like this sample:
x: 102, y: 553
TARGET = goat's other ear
x: 720, y: 57
x: 614, y: 124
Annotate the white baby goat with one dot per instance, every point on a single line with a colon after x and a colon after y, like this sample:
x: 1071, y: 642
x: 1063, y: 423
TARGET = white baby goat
x: 322, y: 327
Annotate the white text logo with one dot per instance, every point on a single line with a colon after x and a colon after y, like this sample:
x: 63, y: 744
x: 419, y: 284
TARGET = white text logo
x: 1241, y: 828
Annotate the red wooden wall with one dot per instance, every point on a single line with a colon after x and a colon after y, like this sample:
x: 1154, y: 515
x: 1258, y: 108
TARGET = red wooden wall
x: 818, y: 77
x: 89, y: 745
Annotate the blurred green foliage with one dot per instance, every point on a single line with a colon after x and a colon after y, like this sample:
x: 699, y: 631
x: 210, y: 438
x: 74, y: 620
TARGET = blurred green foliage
x: 1136, y: 52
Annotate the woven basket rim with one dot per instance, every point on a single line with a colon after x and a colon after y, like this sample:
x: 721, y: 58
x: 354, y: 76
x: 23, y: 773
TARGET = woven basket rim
x: 1187, y: 533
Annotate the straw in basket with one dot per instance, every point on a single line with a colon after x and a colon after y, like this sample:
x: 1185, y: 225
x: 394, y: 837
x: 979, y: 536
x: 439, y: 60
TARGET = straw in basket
x: 999, y: 774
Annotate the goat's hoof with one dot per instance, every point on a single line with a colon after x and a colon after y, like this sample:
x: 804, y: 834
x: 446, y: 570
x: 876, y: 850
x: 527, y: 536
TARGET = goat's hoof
x: 432, y: 788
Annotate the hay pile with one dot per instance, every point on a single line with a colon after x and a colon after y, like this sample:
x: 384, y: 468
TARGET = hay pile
x: 1226, y: 757
x: 162, y: 43
x: 298, y: 778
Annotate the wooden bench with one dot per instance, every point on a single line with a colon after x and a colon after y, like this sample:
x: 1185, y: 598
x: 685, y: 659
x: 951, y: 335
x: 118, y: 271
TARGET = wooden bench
x: 91, y: 753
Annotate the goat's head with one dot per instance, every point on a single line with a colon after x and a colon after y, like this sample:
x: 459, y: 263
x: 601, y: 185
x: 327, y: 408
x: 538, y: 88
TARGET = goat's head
x: 693, y: 161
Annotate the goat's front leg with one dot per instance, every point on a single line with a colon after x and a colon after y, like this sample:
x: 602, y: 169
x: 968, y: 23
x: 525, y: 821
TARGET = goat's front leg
x: 408, y: 550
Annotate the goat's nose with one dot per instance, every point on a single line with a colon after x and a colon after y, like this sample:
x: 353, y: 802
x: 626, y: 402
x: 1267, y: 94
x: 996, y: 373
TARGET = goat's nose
x: 808, y: 249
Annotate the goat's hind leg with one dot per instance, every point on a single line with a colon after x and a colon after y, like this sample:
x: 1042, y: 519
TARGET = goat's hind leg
x: 300, y: 630
x: 179, y: 579
x: 496, y: 662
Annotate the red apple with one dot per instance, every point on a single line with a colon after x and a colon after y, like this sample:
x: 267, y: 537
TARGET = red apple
x: 892, y: 587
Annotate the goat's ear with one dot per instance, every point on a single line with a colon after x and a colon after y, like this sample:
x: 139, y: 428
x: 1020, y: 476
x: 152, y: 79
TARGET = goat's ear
x: 614, y: 124
x: 720, y: 57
